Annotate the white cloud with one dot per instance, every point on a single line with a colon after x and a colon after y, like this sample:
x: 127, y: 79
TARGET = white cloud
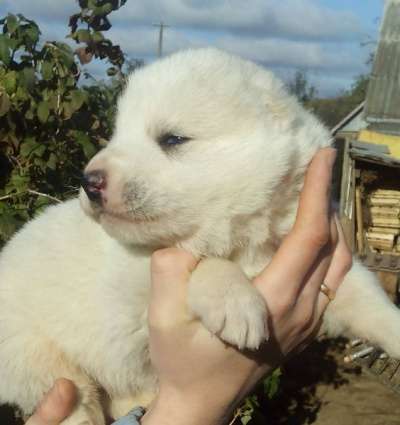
x: 41, y: 10
x: 282, y: 34
x: 286, y: 18
x: 142, y: 41
x: 297, y: 54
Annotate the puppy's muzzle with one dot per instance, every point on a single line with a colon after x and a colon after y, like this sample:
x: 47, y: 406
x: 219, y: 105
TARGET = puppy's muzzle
x: 94, y: 184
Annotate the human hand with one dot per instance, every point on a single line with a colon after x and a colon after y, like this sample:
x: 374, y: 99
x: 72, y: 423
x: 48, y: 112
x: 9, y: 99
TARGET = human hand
x: 57, y: 404
x: 201, y: 378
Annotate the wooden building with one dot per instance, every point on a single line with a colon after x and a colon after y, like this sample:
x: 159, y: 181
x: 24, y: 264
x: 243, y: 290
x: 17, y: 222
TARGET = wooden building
x: 369, y: 138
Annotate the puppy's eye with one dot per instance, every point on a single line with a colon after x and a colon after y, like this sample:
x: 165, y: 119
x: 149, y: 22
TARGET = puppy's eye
x: 168, y: 140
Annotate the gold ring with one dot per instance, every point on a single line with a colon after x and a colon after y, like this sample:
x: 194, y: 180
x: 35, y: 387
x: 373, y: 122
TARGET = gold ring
x: 327, y: 291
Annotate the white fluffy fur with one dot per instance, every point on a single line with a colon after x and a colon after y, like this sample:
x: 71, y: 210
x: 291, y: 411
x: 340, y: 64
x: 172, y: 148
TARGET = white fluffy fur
x: 74, y: 282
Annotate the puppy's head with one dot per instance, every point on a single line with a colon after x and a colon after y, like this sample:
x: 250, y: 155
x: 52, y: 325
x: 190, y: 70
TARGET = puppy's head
x: 202, y: 141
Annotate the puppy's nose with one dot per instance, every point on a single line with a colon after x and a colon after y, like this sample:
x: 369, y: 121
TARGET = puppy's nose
x: 93, y: 184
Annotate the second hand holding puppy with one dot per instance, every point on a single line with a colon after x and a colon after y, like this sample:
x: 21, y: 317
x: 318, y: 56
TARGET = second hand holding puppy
x: 202, y: 378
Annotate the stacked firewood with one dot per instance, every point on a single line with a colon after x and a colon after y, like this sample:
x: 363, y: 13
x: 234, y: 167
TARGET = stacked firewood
x: 384, y: 221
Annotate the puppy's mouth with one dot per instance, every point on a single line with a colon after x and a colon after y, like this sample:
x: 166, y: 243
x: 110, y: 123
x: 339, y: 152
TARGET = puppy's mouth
x: 127, y: 216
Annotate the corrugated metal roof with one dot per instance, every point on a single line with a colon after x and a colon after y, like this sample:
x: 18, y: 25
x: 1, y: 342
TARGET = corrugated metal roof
x: 382, y: 108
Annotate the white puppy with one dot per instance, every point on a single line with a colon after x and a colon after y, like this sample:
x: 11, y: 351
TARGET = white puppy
x: 209, y: 154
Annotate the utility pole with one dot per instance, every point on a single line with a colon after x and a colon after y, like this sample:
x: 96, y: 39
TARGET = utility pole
x: 161, y: 26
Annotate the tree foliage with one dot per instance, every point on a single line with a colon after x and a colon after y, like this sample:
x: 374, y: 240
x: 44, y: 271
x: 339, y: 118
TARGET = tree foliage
x: 301, y: 87
x: 332, y: 110
x: 87, y: 27
x: 50, y: 122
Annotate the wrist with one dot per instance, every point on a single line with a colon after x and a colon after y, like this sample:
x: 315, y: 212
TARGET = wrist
x: 175, y: 408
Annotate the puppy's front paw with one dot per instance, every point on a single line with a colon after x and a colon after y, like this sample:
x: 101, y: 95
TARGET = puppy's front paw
x: 234, y: 311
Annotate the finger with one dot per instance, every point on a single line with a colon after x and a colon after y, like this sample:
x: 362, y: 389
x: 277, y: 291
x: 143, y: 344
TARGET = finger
x: 318, y: 273
x: 58, y: 403
x: 301, y: 247
x: 342, y: 256
x: 314, y: 202
x: 170, y: 272
x: 341, y: 263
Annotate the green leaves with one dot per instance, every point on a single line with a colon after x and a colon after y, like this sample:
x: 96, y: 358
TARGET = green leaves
x: 18, y: 31
x: 9, y: 220
x: 78, y: 97
x: 112, y: 71
x: 251, y: 405
x: 5, y: 54
x: 52, y: 161
x: 43, y: 112
x: 31, y: 34
x: 28, y: 78
x: 82, y: 36
x: 10, y: 82
x: 4, y: 103
x: 74, y: 102
x: 83, y: 139
x: 50, y: 124
x: 246, y: 411
x: 47, y: 70
x: 28, y: 146
x: 271, y: 384
x: 11, y: 23
x: 102, y: 10
x: 94, y: 19
x: 97, y: 37
x: 18, y: 182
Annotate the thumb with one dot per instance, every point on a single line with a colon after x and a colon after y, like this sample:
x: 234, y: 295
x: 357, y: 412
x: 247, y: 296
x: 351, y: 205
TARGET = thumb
x: 170, y: 272
x: 58, y: 403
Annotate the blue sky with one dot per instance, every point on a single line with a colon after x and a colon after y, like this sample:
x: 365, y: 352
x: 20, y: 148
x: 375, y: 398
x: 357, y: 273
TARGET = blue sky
x: 321, y: 37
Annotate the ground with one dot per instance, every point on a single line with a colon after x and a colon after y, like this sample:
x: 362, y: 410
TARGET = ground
x: 318, y: 388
